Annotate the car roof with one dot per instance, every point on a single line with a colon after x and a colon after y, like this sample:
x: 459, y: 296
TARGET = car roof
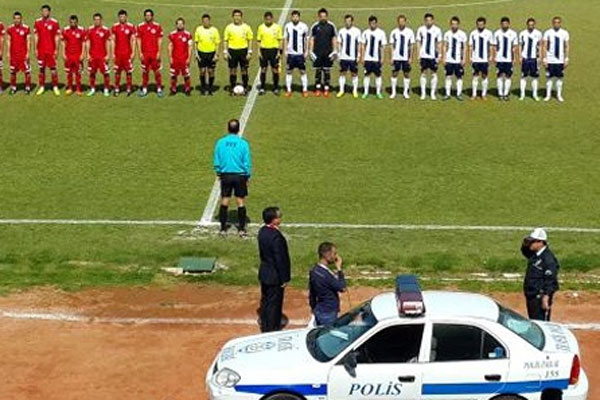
x: 439, y: 305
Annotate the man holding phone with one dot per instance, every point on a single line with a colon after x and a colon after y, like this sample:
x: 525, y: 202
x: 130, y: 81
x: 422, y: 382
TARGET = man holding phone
x: 326, y: 285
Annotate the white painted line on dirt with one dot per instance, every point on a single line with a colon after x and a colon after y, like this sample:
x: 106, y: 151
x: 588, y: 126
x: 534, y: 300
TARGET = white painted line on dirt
x: 68, y: 317
x: 406, y: 227
x: 266, y: 7
x: 213, y: 198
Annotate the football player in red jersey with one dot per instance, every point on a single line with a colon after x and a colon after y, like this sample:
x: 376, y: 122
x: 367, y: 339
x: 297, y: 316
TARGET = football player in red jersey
x: 98, y: 41
x: 74, y: 37
x: 123, y: 36
x: 1, y: 54
x: 149, y: 39
x: 18, y: 39
x: 47, y: 36
x: 180, y: 50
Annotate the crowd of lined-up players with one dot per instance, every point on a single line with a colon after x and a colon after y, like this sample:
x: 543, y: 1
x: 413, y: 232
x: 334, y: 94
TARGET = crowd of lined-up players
x: 296, y: 43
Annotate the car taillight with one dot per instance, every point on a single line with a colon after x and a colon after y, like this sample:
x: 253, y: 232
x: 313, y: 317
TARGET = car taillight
x: 575, y: 371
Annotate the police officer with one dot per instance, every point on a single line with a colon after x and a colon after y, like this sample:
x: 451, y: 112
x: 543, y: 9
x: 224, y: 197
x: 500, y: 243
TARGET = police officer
x: 541, y: 280
x: 274, y: 271
x: 325, y: 285
x: 233, y: 165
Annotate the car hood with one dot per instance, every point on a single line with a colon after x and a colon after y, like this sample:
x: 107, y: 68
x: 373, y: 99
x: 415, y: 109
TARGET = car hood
x: 559, y: 338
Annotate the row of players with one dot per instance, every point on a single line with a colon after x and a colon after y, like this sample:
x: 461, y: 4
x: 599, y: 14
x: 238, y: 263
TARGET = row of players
x: 322, y: 43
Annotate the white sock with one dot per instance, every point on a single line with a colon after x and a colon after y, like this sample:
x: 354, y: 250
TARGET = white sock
x: 507, y: 84
x: 342, y: 83
x: 423, y: 84
x: 500, y: 84
x: 448, y: 85
x: 378, y: 83
x: 559, y: 87
x: 484, y: 86
x: 475, y: 83
x: 355, y: 84
x: 394, y: 84
x: 523, y: 86
x: 366, y: 83
x: 434, y: 82
x: 534, y: 87
x: 304, y: 80
x: 406, y: 85
x: 459, y: 87
x: 288, y: 82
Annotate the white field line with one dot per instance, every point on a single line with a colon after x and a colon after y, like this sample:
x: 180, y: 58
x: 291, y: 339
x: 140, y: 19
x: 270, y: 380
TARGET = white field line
x: 404, y: 227
x: 78, y: 318
x: 213, y: 198
x: 266, y: 7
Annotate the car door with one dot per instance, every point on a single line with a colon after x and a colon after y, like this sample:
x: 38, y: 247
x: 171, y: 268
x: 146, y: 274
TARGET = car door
x: 385, y: 366
x: 465, y: 362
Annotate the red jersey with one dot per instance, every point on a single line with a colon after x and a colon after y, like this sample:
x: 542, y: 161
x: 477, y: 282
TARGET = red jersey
x: 1, y: 30
x: 149, y: 33
x: 123, y: 34
x: 19, y: 41
x: 98, y: 37
x: 74, y: 38
x: 180, y: 41
x: 46, y: 29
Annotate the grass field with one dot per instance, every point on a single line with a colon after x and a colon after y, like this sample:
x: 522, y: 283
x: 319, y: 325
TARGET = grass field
x: 322, y: 160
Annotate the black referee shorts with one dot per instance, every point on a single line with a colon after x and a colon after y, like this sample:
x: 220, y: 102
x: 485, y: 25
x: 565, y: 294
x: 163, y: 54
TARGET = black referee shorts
x: 238, y: 57
x: 234, y: 183
x: 206, y: 60
x: 269, y: 57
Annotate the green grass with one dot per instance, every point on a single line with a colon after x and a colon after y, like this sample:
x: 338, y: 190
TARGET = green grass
x: 321, y: 160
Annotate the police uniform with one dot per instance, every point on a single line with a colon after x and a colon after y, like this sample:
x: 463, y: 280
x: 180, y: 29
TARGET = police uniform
x: 541, y: 278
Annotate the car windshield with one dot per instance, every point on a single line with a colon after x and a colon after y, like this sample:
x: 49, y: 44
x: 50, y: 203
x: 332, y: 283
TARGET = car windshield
x: 523, y: 327
x: 325, y: 343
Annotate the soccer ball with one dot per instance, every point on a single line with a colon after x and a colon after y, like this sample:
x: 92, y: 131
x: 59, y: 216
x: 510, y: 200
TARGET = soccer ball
x: 239, y: 90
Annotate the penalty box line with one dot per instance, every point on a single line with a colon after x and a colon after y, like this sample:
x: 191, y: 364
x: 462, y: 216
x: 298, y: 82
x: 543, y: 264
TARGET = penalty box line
x: 213, y: 198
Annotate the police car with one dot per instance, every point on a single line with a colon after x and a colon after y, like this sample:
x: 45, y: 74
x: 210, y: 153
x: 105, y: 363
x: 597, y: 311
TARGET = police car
x: 407, y: 345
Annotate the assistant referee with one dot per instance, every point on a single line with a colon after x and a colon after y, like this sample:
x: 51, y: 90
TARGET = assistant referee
x: 269, y: 37
x: 233, y: 165
x: 238, y: 38
x: 207, y: 39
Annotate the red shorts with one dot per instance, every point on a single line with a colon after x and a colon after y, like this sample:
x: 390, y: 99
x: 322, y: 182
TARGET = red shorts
x: 98, y: 65
x: 179, y: 67
x: 150, y: 63
x: 73, y: 65
x: 123, y: 64
x: 19, y: 66
x: 46, y: 60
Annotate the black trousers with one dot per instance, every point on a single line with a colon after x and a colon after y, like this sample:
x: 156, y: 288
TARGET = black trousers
x: 271, y: 305
x: 535, y: 310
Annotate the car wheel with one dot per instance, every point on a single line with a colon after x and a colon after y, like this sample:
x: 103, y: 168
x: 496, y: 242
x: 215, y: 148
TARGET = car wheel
x: 283, y: 396
x: 508, y: 397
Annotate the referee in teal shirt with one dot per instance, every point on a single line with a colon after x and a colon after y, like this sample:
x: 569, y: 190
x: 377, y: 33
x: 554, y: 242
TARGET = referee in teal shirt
x: 233, y: 165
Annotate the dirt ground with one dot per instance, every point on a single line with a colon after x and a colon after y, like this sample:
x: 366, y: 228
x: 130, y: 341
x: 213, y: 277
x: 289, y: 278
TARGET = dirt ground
x: 43, y: 359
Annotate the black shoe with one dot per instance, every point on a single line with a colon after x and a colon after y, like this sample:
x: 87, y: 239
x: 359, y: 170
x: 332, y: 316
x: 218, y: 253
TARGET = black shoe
x: 188, y: 93
x: 172, y: 93
x: 261, y: 92
x: 116, y: 93
x: 27, y: 92
x: 276, y: 92
x: 210, y: 92
x: 243, y: 234
x: 129, y: 93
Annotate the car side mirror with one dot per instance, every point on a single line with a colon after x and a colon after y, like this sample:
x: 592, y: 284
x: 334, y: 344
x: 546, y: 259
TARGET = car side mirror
x: 350, y: 362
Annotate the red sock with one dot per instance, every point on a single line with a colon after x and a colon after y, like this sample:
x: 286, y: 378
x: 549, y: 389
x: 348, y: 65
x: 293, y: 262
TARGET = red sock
x: 42, y: 79
x: 93, y: 81
x: 107, y: 82
x: 173, y: 83
x: 54, y: 77
x: 158, y: 77
x: 145, y: 78
x: 118, y: 80
x: 129, y: 81
x: 13, y: 81
x: 69, y: 80
x: 27, y: 80
x: 78, y: 81
x: 188, y: 83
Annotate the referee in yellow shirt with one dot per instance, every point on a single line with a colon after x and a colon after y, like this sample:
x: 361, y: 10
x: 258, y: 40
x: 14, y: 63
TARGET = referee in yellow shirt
x: 207, y: 40
x: 269, y: 37
x: 238, y: 38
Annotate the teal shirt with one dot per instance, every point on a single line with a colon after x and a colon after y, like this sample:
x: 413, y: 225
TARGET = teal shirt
x: 232, y: 156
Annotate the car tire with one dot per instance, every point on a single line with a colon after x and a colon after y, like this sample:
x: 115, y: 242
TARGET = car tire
x: 284, y: 396
x: 508, y: 397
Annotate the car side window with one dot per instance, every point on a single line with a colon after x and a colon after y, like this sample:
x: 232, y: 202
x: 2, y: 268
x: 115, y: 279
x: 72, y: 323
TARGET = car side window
x: 454, y: 342
x: 394, y: 344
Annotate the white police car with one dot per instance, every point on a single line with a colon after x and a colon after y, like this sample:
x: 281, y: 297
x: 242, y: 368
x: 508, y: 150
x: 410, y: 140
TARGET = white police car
x: 407, y: 345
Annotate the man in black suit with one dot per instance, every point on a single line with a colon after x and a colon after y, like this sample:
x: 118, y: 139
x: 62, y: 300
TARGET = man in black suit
x: 274, y: 271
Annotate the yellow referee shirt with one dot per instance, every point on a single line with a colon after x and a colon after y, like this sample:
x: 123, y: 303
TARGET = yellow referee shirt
x: 238, y: 36
x: 207, y: 40
x: 269, y: 36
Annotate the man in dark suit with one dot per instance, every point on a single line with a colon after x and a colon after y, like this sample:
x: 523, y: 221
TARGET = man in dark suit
x: 274, y: 271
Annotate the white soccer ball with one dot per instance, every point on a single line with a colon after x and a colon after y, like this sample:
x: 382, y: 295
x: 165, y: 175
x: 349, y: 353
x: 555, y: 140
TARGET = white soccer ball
x: 239, y: 90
